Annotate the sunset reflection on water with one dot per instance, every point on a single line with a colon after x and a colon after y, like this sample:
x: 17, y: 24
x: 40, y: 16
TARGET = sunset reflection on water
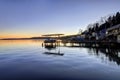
x: 25, y: 59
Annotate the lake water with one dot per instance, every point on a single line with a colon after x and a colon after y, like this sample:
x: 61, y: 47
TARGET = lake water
x: 26, y: 60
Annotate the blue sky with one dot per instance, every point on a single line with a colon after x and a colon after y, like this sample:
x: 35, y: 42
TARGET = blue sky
x: 35, y: 17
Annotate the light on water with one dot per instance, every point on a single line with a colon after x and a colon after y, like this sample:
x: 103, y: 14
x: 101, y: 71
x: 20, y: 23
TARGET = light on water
x: 28, y: 60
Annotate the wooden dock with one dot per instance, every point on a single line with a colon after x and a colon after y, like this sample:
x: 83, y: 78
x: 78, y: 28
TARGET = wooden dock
x: 91, y: 43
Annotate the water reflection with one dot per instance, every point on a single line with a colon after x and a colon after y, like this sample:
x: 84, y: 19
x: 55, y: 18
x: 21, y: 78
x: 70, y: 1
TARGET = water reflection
x: 51, y: 52
x: 110, y: 54
x: 54, y: 53
x: 50, y: 48
x: 28, y: 60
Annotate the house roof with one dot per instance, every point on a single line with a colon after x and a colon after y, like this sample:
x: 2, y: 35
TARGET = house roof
x: 114, y: 27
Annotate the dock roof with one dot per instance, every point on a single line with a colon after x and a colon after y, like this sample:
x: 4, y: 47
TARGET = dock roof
x: 53, y: 35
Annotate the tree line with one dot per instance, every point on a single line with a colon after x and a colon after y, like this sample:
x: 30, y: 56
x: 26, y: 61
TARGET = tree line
x: 109, y: 22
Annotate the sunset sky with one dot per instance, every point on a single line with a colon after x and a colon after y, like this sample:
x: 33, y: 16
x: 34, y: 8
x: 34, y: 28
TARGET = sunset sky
x: 27, y: 18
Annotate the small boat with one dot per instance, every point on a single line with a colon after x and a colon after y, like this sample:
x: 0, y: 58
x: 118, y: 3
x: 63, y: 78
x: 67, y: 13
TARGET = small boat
x: 50, y: 41
x: 51, y: 44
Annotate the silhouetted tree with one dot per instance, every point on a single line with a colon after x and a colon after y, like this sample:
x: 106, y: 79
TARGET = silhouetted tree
x: 103, y: 24
x: 118, y: 18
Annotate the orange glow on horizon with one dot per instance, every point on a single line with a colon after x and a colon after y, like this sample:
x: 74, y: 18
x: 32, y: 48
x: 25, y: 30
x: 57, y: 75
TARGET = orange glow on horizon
x: 8, y: 43
x: 27, y: 35
x: 15, y: 36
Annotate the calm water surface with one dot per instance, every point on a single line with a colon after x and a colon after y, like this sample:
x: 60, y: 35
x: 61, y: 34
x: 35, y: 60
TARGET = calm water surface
x: 26, y: 60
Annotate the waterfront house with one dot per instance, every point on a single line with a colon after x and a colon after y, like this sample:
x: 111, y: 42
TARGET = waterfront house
x: 113, y: 33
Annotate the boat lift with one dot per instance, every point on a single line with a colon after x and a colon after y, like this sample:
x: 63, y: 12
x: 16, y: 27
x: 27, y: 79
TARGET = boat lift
x: 51, y: 43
